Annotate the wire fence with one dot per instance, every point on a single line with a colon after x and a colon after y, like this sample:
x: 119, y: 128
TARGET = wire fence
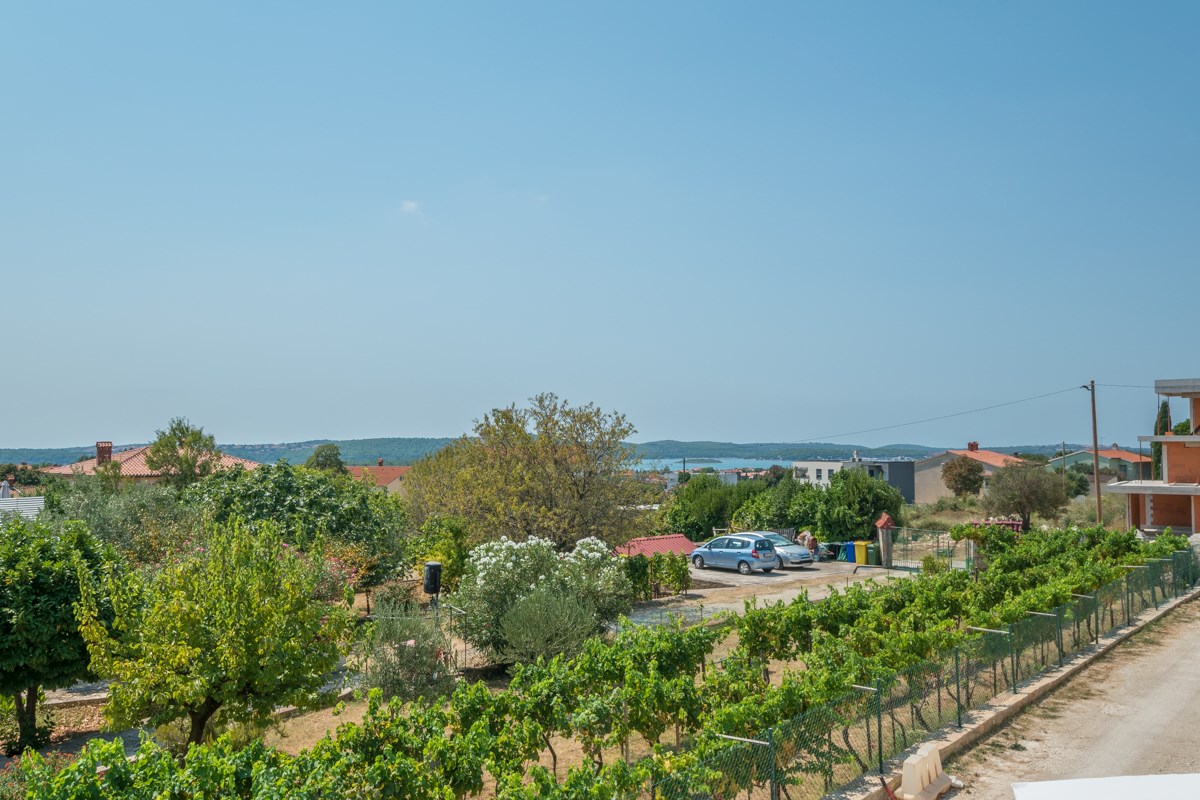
x: 835, y: 743
x: 911, y: 546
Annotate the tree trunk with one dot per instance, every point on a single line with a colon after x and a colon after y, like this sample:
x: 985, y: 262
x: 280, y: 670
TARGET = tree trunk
x: 26, y: 713
x: 199, y: 719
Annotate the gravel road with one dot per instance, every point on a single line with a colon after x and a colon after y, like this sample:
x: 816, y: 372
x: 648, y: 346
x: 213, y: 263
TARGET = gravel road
x: 1131, y: 713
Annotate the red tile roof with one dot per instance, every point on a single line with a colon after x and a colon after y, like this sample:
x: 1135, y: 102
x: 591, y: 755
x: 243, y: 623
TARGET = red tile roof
x: 989, y: 457
x: 382, y: 475
x: 1122, y: 455
x: 133, y: 464
x: 649, y: 545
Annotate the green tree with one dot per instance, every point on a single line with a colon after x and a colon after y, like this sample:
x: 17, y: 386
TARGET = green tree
x: 963, y: 476
x: 232, y: 627
x: 307, y: 504
x: 327, y: 457
x: 706, y: 502
x: 770, y: 509
x: 143, y: 522
x: 183, y: 453
x: 551, y: 470
x: 854, y: 500
x: 1162, y: 424
x: 1025, y: 491
x: 1075, y: 481
x: 41, y: 570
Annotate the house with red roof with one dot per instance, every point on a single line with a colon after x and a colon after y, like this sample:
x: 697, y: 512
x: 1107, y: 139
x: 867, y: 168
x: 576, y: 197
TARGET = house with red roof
x: 927, y: 473
x: 132, y: 463
x: 390, y: 479
x: 1124, y: 464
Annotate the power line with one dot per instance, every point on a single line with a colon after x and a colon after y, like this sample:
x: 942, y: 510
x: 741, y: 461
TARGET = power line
x: 1124, y: 386
x: 944, y: 416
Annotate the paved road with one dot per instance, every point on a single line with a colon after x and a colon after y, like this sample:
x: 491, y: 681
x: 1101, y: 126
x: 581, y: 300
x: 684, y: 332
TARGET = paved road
x: 1132, y: 713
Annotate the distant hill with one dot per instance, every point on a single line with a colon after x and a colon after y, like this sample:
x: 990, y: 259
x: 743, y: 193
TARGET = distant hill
x: 401, y: 451
x: 393, y: 451
x: 669, y: 449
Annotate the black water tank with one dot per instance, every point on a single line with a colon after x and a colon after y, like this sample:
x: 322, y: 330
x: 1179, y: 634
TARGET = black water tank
x: 433, y: 577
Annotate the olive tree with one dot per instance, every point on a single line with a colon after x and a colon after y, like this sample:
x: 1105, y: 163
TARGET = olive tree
x: 1025, y: 491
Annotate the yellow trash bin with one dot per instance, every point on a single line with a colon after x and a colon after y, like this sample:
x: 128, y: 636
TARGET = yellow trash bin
x: 860, y: 552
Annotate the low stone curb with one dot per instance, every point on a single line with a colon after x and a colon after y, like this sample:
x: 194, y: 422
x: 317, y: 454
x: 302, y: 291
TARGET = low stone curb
x: 982, y: 723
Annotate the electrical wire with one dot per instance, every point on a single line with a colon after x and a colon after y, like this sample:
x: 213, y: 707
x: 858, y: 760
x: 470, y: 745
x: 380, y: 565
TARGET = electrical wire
x: 1124, y: 386
x: 944, y: 416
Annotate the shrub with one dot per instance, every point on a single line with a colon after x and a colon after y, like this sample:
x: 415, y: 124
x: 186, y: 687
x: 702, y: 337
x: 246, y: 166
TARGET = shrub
x: 671, y: 570
x: 545, y: 624
x: 12, y: 777
x: 934, y: 565
x: 501, y: 573
x: 407, y: 656
x: 637, y: 571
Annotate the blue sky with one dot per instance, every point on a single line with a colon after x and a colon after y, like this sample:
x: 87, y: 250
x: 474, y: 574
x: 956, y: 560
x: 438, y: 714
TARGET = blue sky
x: 749, y: 222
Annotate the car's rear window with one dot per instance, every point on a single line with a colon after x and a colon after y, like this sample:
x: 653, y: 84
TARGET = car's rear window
x: 763, y: 544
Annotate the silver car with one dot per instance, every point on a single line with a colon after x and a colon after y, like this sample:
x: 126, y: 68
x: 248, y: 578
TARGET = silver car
x: 789, y: 553
x: 744, y: 552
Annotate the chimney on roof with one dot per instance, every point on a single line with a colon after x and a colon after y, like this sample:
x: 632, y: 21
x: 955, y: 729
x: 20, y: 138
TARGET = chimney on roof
x: 972, y: 446
x: 379, y: 462
x: 103, y: 453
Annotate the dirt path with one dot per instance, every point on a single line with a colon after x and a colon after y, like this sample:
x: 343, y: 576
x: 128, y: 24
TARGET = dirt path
x: 1132, y: 713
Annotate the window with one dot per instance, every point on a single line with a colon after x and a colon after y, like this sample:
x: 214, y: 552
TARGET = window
x: 818, y: 474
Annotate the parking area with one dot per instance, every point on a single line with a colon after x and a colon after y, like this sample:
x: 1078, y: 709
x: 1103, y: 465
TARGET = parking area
x: 779, y: 578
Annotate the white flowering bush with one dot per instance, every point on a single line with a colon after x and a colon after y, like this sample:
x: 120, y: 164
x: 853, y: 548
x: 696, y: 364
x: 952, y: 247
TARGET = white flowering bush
x: 499, y: 574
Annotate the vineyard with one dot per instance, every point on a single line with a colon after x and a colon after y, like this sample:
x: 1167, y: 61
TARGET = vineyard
x: 788, y: 700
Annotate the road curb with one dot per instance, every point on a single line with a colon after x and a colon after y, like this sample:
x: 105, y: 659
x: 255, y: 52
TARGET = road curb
x: 980, y: 724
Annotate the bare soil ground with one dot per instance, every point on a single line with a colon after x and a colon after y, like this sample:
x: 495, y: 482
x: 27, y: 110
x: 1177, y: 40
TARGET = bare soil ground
x: 1133, y: 712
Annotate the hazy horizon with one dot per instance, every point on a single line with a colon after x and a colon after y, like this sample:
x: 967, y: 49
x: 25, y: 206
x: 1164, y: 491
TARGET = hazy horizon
x: 753, y: 223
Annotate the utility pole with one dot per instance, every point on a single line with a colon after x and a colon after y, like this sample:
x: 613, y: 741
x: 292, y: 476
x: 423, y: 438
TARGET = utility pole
x: 1091, y: 387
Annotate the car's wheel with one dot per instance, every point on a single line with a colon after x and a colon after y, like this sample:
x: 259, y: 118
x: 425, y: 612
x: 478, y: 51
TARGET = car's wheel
x: 698, y: 562
x: 768, y: 569
x: 744, y: 567
x: 778, y: 562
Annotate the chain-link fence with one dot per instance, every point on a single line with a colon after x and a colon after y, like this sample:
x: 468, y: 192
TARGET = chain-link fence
x: 912, y: 546
x: 835, y: 743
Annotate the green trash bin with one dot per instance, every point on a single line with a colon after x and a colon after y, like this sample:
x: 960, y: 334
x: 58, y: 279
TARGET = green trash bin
x: 873, y: 555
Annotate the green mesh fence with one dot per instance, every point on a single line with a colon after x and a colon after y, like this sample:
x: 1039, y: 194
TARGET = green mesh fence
x: 835, y: 743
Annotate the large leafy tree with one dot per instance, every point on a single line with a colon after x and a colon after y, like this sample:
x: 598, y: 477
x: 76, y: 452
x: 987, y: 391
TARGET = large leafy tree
x: 307, y: 504
x: 1025, y: 491
x: 552, y: 470
x: 706, y: 502
x: 183, y: 453
x: 327, y: 457
x: 854, y: 500
x: 233, y: 627
x: 963, y: 476
x: 41, y: 570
